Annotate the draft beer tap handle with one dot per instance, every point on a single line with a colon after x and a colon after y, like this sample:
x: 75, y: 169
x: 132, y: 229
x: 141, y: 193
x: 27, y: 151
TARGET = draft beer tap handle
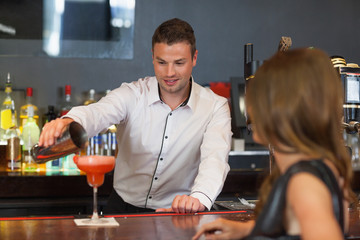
x: 352, y: 127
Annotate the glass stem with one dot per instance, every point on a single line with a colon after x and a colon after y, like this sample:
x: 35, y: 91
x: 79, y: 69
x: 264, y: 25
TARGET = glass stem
x: 95, y: 215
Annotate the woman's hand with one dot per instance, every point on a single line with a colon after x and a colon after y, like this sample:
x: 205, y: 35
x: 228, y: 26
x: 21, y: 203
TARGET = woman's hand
x: 225, y: 229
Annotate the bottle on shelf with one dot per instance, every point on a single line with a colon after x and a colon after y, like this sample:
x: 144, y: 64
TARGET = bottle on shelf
x: 30, y: 136
x: 28, y: 163
x: 112, y: 142
x: 60, y: 164
x: 47, y: 117
x: 109, y: 139
x: 8, y: 116
x: 66, y: 164
x: 95, y: 143
x: 67, y: 105
x: 25, y: 109
x: 50, y: 115
x: 13, y: 150
x: 91, y: 98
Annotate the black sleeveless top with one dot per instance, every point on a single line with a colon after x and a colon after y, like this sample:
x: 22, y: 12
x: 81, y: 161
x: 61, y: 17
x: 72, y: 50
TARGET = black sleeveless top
x: 269, y: 224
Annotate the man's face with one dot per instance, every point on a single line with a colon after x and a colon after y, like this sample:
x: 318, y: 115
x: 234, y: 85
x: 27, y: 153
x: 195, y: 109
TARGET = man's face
x: 173, y: 66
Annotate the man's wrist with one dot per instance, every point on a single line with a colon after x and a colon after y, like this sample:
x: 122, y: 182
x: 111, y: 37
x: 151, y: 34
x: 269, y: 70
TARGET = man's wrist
x: 204, y: 200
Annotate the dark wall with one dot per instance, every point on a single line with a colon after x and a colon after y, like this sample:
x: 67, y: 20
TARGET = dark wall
x: 222, y: 28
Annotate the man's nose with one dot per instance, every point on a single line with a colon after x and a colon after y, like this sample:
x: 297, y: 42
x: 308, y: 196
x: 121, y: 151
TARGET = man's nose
x: 171, y: 70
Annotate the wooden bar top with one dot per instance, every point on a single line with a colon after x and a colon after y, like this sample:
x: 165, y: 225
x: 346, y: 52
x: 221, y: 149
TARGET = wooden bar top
x: 132, y: 226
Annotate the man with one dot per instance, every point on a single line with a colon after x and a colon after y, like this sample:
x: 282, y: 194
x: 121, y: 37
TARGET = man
x: 173, y: 135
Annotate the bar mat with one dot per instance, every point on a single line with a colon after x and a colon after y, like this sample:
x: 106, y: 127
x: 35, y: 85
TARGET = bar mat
x: 233, y: 205
x: 103, y: 222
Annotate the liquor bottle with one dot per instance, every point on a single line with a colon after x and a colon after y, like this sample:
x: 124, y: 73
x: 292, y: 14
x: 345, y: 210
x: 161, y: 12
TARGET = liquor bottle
x: 67, y: 104
x: 109, y: 139
x: 50, y: 115
x: 113, y: 143
x: 8, y: 112
x: 66, y: 164
x: 30, y: 136
x: 95, y: 143
x: 13, y: 150
x: 55, y: 164
x: 91, y: 98
x: 25, y: 108
x: 62, y: 163
x: 24, y: 115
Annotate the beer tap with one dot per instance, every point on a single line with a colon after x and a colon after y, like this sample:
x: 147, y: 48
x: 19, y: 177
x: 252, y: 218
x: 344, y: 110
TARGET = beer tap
x: 351, y: 127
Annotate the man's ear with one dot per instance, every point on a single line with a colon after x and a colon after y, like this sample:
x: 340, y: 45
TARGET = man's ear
x: 195, y: 58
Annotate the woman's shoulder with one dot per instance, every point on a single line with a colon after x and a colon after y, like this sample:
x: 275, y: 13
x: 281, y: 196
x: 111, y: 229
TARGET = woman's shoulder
x: 310, y: 200
x: 306, y: 188
x: 307, y: 185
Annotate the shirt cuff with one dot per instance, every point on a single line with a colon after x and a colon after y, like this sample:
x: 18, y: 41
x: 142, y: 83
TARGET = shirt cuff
x: 205, y: 200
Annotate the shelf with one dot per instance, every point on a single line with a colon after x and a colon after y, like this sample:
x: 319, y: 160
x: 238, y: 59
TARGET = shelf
x: 37, y: 185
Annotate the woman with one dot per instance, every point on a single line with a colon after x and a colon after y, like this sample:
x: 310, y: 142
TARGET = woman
x: 295, y: 106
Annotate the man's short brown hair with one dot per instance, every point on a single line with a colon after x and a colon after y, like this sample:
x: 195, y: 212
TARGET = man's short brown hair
x: 175, y: 31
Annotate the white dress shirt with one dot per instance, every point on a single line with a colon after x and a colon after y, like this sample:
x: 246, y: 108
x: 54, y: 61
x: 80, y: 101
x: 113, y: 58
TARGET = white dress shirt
x: 162, y: 152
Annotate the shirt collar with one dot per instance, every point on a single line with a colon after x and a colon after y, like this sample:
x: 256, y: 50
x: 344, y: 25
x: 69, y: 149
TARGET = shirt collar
x: 154, y: 95
x: 187, y: 99
x: 194, y: 92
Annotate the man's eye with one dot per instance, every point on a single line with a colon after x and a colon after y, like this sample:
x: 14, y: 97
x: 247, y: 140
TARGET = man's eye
x: 180, y: 63
x: 162, y: 63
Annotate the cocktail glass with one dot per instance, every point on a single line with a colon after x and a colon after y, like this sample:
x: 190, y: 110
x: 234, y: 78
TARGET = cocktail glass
x: 95, y: 167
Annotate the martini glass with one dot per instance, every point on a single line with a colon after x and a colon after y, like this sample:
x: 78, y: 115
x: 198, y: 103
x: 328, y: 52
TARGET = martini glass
x: 95, y: 167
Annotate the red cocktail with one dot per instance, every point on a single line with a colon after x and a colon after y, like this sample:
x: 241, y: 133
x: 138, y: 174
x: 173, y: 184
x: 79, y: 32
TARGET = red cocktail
x: 95, y: 167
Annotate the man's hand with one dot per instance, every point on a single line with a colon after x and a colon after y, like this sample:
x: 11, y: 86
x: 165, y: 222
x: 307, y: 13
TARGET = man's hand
x: 52, y: 130
x: 184, y: 204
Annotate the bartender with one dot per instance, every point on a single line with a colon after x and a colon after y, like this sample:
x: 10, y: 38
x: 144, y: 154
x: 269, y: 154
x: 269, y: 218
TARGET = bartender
x: 173, y: 135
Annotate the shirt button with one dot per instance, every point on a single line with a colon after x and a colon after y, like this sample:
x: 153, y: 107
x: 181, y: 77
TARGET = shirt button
x: 166, y: 137
x: 170, y: 114
x: 156, y: 178
x: 150, y: 197
x: 161, y: 159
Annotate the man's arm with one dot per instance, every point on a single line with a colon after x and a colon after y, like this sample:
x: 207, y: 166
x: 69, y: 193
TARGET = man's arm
x: 215, y: 149
x: 213, y: 167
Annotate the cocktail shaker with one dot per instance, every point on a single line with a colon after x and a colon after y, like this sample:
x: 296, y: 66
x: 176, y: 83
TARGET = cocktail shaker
x: 73, y: 139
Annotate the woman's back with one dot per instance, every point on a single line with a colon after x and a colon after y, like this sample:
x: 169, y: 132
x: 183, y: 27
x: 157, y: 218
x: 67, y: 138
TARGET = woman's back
x: 306, y: 200
x: 313, y: 187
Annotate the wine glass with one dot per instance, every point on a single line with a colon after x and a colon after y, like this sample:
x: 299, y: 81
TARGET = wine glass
x: 95, y: 167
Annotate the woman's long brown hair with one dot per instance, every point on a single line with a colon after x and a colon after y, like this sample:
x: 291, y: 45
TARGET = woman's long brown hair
x: 295, y: 100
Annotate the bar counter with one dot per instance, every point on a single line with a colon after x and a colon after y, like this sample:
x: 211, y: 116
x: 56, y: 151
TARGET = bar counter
x: 61, y: 194
x: 132, y: 226
x: 67, y: 193
x: 38, y: 194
